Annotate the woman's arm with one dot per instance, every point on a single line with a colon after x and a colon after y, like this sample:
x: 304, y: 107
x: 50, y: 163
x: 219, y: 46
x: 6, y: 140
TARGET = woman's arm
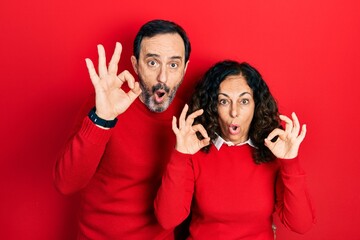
x: 293, y: 204
x: 173, y: 201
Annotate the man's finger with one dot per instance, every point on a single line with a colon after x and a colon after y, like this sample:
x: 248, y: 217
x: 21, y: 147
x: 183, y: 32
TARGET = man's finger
x: 113, y: 64
x: 102, y: 61
x: 126, y: 76
x: 92, y: 72
x: 134, y: 92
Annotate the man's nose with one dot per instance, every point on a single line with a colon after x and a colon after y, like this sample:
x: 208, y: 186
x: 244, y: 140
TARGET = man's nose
x: 162, y: 76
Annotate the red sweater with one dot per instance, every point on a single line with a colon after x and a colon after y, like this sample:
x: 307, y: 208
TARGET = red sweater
x: 230, y: 196
x: 118, y: 172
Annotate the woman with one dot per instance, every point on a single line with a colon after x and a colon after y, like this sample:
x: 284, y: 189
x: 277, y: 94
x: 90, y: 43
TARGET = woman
x: 251, y: 168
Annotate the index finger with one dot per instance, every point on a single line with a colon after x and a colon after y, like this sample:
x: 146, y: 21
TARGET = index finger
x: 190, y: 119
x: 126, y: 76
x: 289, y: 123
x: 113, y: 64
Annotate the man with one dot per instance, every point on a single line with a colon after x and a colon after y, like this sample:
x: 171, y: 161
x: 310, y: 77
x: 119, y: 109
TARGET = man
x: 117, y: 155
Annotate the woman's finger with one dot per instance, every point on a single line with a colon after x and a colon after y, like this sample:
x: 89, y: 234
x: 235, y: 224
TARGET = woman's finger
x: 296, y: 125
x: 182, y: 120
x: 190, y: 119
x: 274, y: 133
x: 199, y: 128
x: 288, y: 122
x: 302, y: 135
x: 174, y: 126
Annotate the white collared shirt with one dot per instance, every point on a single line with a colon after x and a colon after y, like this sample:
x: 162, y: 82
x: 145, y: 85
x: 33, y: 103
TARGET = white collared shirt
x: 219, y: 141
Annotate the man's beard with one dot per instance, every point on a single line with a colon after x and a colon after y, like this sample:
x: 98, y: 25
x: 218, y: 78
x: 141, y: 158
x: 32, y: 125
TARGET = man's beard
x: 148, y: 96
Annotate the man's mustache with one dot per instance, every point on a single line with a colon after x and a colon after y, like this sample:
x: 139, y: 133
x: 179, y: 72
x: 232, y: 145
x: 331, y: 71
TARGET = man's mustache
x: 160, y: 86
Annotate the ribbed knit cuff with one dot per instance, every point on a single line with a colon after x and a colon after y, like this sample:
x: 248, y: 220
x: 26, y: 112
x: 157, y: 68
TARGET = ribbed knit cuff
x: 291, y: 166
x: 179, y: 161
x: 93, y: 133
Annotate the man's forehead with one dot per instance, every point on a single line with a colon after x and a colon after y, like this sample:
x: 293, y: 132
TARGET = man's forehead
x: 163, y: 45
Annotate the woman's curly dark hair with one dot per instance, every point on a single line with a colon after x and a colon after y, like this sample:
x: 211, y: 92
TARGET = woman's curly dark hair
x: 266, y: 115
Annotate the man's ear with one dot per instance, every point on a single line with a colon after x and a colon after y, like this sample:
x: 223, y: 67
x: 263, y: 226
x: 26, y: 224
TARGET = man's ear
x: 186, y: 65
x: 134, y: 64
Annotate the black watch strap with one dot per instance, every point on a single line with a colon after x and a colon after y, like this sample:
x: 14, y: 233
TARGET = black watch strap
x: 99, y: 121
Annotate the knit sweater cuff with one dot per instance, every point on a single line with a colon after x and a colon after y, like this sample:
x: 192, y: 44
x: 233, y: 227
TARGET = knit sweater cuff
x: 291, y: 166
x: 93, y: 133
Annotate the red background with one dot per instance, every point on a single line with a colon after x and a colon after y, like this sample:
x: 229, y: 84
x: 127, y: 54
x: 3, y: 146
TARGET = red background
x: 308, y: 52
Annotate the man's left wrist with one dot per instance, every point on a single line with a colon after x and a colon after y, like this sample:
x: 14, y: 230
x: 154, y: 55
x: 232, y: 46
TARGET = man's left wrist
x: 100, y: 121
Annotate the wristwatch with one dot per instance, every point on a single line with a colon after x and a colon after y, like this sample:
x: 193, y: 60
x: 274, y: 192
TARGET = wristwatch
x: 99, y: 121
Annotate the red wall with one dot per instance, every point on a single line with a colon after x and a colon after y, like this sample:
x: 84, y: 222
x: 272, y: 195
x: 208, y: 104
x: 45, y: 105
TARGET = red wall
x: 308, y: 52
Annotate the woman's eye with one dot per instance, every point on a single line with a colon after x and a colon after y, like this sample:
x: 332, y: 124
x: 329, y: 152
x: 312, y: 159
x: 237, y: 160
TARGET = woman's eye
x: 223, y: 101
x: 245, y: 101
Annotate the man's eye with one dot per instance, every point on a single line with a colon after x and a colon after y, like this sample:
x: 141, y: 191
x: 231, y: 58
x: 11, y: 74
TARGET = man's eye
x: 173, y: 65
x: 152, y: 63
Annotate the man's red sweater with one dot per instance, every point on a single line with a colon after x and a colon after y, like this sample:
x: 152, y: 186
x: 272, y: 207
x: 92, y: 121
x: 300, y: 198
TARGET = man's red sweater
x: 230, y: 196
x: 118, y: 172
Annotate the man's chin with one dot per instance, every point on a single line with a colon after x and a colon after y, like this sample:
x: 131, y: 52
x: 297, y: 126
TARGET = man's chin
x: 156, y: 106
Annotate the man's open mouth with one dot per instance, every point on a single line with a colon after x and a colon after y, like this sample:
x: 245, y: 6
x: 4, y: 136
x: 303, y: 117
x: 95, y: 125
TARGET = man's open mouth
x: 159, y: 96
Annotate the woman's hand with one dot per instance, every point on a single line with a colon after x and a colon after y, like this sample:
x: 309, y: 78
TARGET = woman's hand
x: 288, y: 142
x: 186, y: 140
x: 110, y: 99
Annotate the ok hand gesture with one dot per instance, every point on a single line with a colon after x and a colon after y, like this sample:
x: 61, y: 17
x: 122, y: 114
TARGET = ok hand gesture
x: 186, y: 140
x: 110, y: 99
x: 288, y: 142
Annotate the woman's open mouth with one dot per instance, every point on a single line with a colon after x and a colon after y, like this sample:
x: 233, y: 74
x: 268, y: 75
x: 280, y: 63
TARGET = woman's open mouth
x: 234, y: 129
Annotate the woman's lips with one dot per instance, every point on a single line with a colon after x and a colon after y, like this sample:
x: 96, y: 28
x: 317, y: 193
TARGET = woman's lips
x: 234, y: 129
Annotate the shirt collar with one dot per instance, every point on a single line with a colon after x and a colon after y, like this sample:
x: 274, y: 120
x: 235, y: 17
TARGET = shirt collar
x: 219, y: 141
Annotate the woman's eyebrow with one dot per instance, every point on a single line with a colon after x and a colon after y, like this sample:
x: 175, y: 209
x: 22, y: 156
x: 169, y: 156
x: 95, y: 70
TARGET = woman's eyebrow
x: 240, y: 95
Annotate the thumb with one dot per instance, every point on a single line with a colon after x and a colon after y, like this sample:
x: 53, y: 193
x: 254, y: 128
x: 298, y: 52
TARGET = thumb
x: 204, y: 142
x: 134, y: 92
x: 269, y: 144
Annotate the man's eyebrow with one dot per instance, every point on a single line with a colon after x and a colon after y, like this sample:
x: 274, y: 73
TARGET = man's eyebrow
x: 152, y: 55
x: 158, y: 56
x: 176, y: 57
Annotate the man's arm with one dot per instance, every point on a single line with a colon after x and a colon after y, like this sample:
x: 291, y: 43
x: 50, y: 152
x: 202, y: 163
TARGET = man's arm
x: 82, y: 154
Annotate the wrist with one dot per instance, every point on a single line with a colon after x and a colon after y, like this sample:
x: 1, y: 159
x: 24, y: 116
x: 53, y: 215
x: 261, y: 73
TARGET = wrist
x: 103, y: 123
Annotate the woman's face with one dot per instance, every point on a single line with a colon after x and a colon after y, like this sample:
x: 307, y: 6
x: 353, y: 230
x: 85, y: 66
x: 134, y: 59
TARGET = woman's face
x: 235, y: 108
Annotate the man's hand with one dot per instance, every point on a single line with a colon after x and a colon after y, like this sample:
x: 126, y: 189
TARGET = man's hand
x: 111, y: 100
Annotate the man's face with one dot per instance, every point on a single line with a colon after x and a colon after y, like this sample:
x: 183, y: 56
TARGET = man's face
x: 161, y: 68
